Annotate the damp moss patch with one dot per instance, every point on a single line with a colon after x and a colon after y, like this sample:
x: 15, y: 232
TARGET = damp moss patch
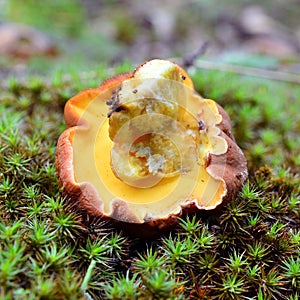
x: 50, y: 250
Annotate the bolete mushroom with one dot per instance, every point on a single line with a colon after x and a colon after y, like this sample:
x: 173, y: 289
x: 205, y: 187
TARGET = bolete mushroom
x: 144, y: 146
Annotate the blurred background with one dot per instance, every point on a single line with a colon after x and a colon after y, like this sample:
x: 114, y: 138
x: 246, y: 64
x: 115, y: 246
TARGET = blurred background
x: 40, y: 36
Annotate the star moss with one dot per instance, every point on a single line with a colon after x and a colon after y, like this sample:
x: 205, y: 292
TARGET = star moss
x: 248, y: 249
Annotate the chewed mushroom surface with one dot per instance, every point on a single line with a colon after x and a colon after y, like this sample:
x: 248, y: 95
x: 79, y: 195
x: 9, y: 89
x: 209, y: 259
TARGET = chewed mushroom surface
x: 144, y: 146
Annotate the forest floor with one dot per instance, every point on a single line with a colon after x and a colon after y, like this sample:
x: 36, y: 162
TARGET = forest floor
x: 248, y: 250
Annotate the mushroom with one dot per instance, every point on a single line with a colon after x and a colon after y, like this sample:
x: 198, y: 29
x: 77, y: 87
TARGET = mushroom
x: 143, y: 147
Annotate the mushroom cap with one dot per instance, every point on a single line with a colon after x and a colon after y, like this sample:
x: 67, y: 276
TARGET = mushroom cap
x: 83, y: 156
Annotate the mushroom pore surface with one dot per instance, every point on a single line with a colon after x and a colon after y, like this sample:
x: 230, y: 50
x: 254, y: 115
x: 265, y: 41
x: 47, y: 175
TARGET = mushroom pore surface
x: 163, y: 148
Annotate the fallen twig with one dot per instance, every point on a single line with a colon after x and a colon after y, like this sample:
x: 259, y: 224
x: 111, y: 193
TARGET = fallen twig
x: 275, y: 75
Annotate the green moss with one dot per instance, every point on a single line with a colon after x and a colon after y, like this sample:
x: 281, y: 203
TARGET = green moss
x: 250, y: 248
x: 63, y: 17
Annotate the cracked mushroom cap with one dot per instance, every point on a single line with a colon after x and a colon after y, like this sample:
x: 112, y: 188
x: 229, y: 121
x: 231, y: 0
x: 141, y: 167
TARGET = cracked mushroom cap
x: 144, y: 146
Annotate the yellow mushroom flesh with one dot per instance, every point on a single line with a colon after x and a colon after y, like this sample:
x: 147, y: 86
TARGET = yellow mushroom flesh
x: 148, y: 160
